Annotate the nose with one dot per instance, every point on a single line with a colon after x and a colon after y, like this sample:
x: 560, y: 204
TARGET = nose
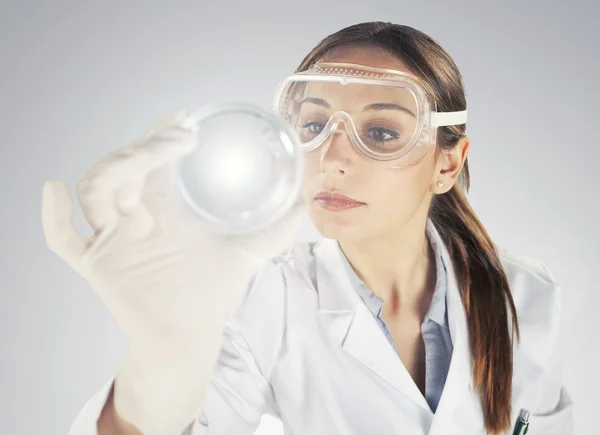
x: 336, y: 153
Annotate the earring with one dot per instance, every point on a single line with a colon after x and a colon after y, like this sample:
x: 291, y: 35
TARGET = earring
x: 440, y: 184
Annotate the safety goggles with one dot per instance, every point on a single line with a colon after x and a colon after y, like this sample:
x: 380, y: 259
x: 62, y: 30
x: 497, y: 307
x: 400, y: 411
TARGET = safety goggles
x: 388, y: 115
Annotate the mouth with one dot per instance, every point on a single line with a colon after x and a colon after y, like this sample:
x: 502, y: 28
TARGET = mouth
x: 327, y: 195
x: 335, y: 201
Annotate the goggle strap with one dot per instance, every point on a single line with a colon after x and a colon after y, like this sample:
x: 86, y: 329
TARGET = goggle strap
x: 443, y: 119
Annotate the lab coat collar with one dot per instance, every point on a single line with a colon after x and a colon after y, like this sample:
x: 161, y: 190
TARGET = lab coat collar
x: 350, y: 324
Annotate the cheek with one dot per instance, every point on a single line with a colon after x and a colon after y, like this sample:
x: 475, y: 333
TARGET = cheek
x: 311, y: 163
x: 396, y: 194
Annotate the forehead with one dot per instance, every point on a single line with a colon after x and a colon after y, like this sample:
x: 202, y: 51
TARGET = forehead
x: 366, y: 55
x: 355, y: 96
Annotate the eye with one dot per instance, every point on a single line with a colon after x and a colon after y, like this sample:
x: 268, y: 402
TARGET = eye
x: 381, y: 135
x: 314, y: 127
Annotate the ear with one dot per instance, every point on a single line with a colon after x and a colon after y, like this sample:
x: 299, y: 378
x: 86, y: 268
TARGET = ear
x: 449, y: 166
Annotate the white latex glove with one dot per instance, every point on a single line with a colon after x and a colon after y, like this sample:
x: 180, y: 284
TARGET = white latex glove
x: 168, y: 281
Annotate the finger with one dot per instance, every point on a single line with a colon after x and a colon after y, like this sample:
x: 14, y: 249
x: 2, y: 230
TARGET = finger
x: 152, y: 188
x: 99, y: 210
x: 129, y: 196
x: 174, y: 118
x: 60, y: 235
x: 137, y: 219
x: 98, y: 188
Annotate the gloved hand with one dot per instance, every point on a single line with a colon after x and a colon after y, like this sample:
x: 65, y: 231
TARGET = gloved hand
x: 166, y: 279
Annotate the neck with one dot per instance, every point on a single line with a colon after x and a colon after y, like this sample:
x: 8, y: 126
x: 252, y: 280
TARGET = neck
x: 398, y: 267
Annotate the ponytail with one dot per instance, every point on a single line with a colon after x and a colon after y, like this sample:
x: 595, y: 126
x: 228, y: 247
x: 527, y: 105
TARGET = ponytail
x: 484, y: 291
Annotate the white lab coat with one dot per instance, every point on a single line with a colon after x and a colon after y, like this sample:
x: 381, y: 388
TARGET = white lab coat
x: 305, y: 348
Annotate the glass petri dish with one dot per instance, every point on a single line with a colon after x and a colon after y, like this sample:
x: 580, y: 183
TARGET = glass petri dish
x: 246, y: 171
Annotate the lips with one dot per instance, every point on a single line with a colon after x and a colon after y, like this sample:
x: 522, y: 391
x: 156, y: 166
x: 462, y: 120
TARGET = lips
x: 336, y: 202
x: 327, y: 196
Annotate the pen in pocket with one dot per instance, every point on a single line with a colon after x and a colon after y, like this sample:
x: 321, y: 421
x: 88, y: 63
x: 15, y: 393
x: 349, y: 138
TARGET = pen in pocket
x: 522, y: 424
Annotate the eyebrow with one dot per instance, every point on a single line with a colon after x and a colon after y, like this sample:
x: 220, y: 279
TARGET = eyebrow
x: 317, y: 101
x: 388, y: 106
x: 370, y: 107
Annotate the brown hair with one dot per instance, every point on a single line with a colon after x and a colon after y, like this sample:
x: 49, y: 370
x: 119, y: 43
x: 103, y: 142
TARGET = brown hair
x: 484, y: 287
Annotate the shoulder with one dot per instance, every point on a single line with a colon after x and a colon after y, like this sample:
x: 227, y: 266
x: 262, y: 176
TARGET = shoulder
x: 536, y: 295
x: 517, y: 263
x: 534, y: 288
x: 537, y: 354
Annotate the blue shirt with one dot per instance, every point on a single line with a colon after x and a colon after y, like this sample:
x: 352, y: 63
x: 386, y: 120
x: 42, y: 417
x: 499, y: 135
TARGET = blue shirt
x: 434, y: 329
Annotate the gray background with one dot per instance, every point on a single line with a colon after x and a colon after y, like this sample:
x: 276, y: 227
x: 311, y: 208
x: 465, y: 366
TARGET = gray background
x: 79, y: 79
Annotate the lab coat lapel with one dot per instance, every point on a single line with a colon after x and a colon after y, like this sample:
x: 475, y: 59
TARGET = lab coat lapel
x: 350, y: 324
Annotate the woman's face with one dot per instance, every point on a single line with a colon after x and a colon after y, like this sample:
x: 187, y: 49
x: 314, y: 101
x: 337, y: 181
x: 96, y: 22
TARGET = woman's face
x: 389, y: 198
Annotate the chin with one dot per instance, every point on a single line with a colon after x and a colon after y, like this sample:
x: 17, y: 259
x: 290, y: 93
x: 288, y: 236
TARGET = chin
x: 339, y: 225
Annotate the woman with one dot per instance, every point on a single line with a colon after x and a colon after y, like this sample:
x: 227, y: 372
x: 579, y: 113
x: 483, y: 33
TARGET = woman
x: 405, y: 318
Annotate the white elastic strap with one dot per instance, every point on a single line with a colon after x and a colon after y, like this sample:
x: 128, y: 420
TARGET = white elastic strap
x: 442, y: 119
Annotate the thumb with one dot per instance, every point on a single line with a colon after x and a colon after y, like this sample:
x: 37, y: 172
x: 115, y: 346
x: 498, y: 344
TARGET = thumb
x: 60, y: 235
